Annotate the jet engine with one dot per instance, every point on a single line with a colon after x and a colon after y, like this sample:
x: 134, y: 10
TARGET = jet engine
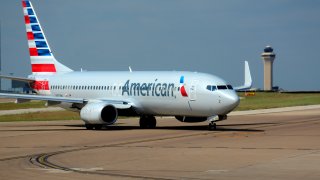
x: 99, y: 113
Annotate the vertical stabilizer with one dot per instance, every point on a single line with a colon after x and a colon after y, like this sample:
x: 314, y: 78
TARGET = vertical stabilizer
x: 42, y: 59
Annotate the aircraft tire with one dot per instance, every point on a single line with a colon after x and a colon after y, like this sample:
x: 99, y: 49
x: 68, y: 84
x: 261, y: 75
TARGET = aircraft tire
x: 212, y: 126
x: 143, y: 122
x: 148, y: 122
x: 98, y: 127
x: 89, y: 126
x: 152, y: 122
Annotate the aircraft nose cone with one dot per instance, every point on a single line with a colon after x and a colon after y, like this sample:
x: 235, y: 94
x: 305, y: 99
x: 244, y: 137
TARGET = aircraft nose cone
x: 231, y: 101
x: 234, y: 100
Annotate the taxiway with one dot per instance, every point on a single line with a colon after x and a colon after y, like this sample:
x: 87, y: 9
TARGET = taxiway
x: 279, y: 145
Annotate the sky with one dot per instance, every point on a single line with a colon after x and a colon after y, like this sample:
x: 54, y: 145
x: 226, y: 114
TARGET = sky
x: 211, y: 36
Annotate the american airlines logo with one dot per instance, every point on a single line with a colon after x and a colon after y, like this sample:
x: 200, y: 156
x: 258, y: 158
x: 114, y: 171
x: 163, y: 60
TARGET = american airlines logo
x: 152, y: 89
x: 148, y: 89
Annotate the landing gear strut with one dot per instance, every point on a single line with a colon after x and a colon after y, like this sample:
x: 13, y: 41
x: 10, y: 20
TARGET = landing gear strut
x: 212, y: 126
x: 148, y: 122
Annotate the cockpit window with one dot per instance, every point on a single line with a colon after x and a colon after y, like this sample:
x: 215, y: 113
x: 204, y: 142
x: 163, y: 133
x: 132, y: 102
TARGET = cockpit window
x: 222, y: 87
x: 219, y: 87
x: 230, y: 87
x: 211, y: 88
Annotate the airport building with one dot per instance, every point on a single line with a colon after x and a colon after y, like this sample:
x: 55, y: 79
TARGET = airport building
x: 268, y: 57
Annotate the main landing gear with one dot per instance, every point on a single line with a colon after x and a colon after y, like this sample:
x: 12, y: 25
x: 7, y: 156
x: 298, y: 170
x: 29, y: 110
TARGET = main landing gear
x: 93, y: 126
x: 148, y: 122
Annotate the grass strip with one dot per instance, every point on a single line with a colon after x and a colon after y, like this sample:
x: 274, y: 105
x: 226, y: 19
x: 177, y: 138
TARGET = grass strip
x: 41, y: 116
x: 27, y: 105
x: 263, y: 100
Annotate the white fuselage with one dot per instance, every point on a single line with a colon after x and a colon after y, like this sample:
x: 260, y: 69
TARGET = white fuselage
x: 150, y: 92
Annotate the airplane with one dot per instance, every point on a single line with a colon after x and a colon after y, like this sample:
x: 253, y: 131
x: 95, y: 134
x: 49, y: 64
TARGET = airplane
x: 102, y: 96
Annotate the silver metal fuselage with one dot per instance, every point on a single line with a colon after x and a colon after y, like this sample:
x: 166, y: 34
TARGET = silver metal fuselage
x: 149, y: 92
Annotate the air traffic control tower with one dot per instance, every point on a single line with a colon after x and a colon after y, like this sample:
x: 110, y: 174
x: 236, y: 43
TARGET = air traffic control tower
x: 268, y: 57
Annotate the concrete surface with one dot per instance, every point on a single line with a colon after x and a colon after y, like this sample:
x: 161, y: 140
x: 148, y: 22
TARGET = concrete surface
x: 281, y: 145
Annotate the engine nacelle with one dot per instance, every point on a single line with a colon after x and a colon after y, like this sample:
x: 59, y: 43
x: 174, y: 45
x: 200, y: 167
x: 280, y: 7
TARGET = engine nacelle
x: 191, y: 119
x: 99, y: 113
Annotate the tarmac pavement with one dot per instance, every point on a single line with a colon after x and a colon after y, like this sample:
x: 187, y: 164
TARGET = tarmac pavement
x: 271, y: 145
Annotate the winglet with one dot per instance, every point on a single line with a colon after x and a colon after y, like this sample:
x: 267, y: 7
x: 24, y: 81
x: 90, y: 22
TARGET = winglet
x: 247, y: 75
x: 247, y: 78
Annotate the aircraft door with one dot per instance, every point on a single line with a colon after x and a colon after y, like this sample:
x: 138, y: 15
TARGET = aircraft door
x: 193, y: 89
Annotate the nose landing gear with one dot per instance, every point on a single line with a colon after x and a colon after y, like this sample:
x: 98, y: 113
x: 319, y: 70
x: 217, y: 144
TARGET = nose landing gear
x: 212, y: 121
x: 212, y: 126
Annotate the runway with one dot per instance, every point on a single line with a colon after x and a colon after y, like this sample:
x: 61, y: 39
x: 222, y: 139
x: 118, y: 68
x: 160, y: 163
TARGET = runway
x: 282, y: 145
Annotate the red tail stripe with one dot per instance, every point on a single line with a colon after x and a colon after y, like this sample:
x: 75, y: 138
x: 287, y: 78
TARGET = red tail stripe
x: 40, y: 85
x: 43, y: 68
x: 33, y: 51
x: 24, y: 4
x: 30, y: 36
x: 27, y: 19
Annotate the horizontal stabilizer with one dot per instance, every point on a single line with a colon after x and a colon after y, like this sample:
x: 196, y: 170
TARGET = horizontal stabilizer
x: 18, y: 78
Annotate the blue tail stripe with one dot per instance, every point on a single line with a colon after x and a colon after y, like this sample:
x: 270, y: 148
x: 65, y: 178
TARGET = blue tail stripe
x: 33, y: 19
x: 38, y: 36
x: 35, y: 28
x: 43, y: 52
x: 40, y: 44
x: 27, y: 3
x: 30, y: 12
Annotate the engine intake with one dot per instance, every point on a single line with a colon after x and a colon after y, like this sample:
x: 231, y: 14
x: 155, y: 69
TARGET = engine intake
x: 99, y: 113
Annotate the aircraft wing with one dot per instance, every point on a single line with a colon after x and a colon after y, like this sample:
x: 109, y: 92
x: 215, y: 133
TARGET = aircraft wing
x: 43, y: 98
x: 17, y: 78
x: 247, y: 78
x: 26, y: 97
